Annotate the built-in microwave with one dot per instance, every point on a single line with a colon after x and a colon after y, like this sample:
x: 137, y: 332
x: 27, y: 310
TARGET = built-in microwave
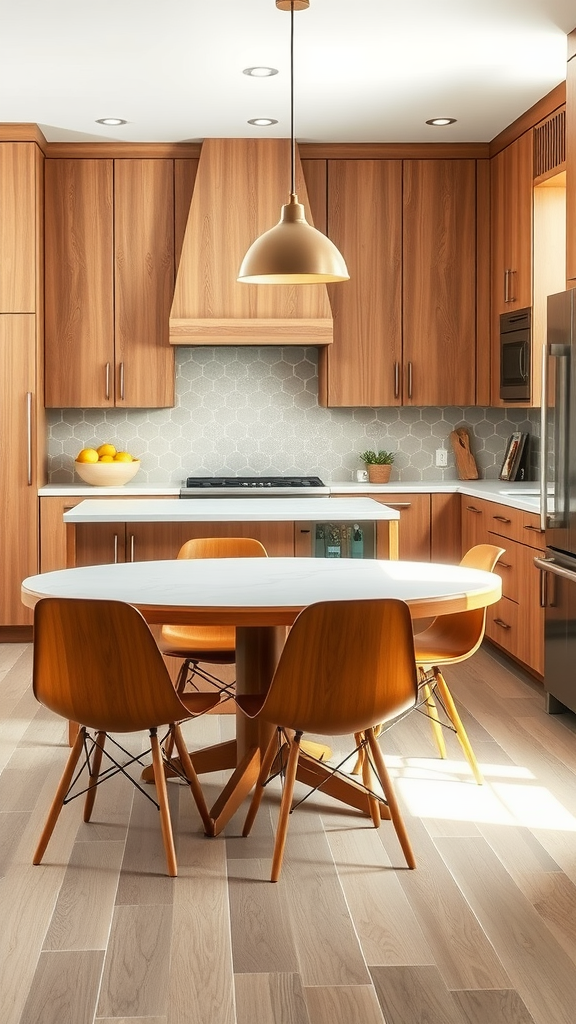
x: 515, y: 350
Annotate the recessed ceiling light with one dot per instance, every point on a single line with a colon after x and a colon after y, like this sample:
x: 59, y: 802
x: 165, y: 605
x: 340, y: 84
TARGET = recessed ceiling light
x: 111, y: 121
x: 260, y: 72
x: 440, y: 121
x: 262, y: 122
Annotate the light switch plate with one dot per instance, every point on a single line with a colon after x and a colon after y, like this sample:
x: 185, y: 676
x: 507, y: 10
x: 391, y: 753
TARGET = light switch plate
x: 441, y: 457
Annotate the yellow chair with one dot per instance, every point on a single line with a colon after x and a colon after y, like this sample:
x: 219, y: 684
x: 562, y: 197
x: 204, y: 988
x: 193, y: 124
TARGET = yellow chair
x: 97, y: 663
x: 212, y: 644
x: 449, y: 640
x: 346, y: 667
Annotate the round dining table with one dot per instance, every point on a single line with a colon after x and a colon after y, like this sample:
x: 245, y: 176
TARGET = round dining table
x: 262, y: 597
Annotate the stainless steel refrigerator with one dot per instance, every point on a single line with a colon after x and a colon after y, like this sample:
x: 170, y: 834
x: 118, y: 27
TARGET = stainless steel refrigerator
x: 558, y: 502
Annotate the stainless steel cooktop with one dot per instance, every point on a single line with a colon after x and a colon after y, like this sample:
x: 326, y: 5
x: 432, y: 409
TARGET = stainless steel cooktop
x: 253, y: 486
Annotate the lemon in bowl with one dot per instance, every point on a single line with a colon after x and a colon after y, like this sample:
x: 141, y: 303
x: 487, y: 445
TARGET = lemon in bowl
x: 108, y: 468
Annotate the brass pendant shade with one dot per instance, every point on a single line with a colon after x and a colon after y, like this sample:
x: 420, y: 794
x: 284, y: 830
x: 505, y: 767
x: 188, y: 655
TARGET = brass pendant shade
x: 292, y: 252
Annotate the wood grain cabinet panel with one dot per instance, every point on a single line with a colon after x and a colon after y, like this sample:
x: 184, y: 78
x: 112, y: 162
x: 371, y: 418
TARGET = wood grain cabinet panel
x: 439, y: 282
x: 571, y: 165
x: 511, y: 252
x: 18, y: 494
x: 363, y: 365
x: 18, y: 209
x: 109, y: 283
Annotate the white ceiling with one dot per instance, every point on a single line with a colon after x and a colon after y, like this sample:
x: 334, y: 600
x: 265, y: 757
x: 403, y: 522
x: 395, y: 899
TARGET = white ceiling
x: 365, y: 70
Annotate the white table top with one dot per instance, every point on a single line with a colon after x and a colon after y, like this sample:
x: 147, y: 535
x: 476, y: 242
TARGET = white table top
x: 266, y: 591
x: 238, y: 510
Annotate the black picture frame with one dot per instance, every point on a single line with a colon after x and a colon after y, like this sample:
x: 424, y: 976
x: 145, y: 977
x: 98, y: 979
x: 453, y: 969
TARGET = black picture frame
x: 513, y: 455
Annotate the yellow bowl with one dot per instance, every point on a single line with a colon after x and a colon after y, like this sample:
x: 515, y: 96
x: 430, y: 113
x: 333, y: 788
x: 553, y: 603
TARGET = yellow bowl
x: 107, y: 474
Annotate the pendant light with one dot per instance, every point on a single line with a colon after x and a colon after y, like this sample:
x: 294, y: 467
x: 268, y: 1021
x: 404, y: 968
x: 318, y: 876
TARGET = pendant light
x: 292, y: 252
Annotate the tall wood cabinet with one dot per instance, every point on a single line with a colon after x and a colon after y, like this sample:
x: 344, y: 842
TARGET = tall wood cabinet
x: 571, y: 163
x: 405, y: 323
x: 109, y: 283
x: 21, y: 413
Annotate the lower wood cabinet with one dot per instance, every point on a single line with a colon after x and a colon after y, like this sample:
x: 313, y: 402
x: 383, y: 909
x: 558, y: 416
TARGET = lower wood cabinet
x: 516, y: 622
x: 429, y: 528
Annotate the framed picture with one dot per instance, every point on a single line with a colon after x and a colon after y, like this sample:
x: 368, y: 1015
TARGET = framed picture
x: 513, y: 455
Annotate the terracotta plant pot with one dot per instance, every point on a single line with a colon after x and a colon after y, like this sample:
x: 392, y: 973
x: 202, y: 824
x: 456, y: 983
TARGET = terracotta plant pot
x: 378, y: 474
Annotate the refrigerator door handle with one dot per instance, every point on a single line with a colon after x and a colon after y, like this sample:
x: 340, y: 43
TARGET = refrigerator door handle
x: 549, y: 565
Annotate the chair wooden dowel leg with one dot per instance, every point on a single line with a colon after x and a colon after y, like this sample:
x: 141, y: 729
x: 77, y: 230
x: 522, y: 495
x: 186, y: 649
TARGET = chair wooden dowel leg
x: 95, y: 772
x: 457, y: 723
x: 368, y: 780
x: 390, y: 795
x: 358, y: 737
x: 192, y: 777
x: 58, y: 801
x: 162, y: 792
x: 432, y: 712
x: 265, y: 767
x: 285, y: 807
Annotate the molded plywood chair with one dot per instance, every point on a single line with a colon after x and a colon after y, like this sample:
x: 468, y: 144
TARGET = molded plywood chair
x: 97, y: 663
x: 449, y: 640
x: 212, y: 644
x: 346, y: 667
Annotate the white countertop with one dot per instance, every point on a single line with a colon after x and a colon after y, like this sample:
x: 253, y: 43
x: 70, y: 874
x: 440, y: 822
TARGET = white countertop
x: 513, y: 494
x: 217, y: 586
x: 213, y: 510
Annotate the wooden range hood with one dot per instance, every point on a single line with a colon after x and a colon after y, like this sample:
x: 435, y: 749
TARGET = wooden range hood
x: 240, y: 187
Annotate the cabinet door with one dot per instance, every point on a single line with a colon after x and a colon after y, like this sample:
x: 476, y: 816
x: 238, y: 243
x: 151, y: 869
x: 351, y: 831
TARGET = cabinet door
x: 99, y: 543
x: 439, y: 282
x: 149, y: 541
x: 79, y: 319
x: 362, y: 366
x: 144, y: 282
x: 474, y: 522
x: 413, y: 528
x: 18, y: 494
x: 571, y: 164
x: 17, y: 227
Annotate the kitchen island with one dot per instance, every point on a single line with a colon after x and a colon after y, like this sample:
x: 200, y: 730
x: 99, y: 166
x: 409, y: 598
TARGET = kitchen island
x: 178, y: 516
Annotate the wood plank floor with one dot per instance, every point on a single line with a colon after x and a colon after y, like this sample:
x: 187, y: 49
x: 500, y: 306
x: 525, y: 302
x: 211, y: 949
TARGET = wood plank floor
x: 482, y: 932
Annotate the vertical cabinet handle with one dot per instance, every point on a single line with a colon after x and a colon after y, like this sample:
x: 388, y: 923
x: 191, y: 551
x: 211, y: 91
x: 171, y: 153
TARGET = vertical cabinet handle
x: 132, y: 546
x: 29, y: 437
x: 115, y: 549
x: 107, y: 381
x: 396, y: 379
x: 122, y: 382
x: 409, y: 380
x: 512, y: 297
x: 506, y: 287
x: 543, y: 588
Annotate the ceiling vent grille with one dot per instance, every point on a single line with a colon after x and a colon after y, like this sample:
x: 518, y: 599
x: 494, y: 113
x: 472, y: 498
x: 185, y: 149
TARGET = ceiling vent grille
x: 550, y: 146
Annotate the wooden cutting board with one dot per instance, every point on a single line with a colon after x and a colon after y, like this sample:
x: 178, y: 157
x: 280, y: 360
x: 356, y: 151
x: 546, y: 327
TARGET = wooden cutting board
x: 465, y: 461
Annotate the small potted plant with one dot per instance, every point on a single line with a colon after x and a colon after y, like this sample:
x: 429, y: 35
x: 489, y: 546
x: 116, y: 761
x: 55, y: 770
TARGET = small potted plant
x: 379, y: 465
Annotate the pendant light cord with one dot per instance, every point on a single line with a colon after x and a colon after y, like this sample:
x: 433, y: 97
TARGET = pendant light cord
x: 292, y: 140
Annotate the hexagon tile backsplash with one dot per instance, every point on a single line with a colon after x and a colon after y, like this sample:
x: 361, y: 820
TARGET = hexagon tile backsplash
x: 242, y: 411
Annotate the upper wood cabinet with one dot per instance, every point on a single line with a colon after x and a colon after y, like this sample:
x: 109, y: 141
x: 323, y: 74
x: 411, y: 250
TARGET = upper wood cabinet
x: 18, y: 227
x: 363, y: 365
x: 439, y: 282
x: 109, y: 283
x: 571, y: 163
x: 512, y: 183
x: 405, y: 323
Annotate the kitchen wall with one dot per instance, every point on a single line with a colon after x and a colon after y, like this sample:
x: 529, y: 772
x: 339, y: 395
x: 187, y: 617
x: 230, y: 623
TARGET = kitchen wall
x: 255, y: 410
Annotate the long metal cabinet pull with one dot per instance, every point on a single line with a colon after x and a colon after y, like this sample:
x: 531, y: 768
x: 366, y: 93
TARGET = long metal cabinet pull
x: 544, y: 442
x: 132, y: 546
x: 409, y: 380
x: 506, y: 291
x: 107, y: 377
x: 122, y: 382
x: 29, y: 437
x: 396, y: 379
x: 115, y: 549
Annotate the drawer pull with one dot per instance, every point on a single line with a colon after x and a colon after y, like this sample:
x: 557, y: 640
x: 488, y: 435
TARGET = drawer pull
x: 537, y: 529
x: 504, y: 565
x: 477, y: 511
x: 502, y: 519
x: 500, y: 622
x: 399, y: 504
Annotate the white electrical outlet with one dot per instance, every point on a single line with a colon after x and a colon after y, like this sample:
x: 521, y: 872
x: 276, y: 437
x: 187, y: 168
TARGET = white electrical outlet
x: 441, y: 457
